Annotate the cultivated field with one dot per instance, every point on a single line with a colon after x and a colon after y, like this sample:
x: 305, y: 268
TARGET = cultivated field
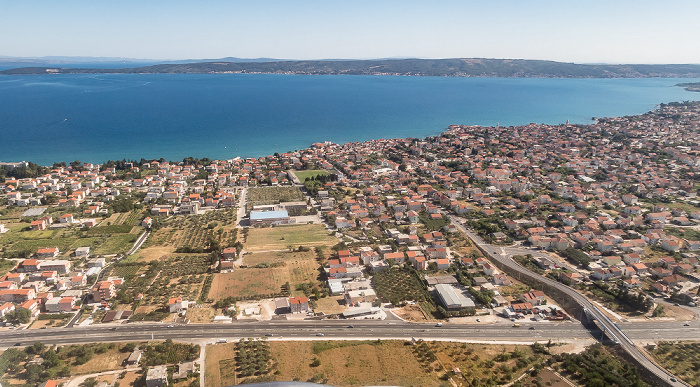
x: 273, y: 270
x: 277, y: 238
x: 272, y: 195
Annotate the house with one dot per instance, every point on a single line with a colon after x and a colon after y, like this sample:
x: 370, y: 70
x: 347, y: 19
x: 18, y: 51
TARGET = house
x: 184, y: 369
x: 32, y: 306
x: 60, y: 266
x: 522, y: 307
x: 631, y: 283
x: 442, y: 263
x: 341, y: 222
x: 672, y: 280
x: 49, y: 383
x: 66, y: 219
x: 229, y: 253
x: 177, y: 305
x: 78, y: 280
x: 6, y: 308
x: 397, y: 257
x: 659, y: 287
x: 282, y: 306
x: 84, y: 252
x: 96, y: 263
x: 60, y: 305
x: 357, y: 296
x: 16, y: 278
x: 134, y: 358
x: 103, y: 291
x: 48, y: 252
x: 227, y: 266
x: 147, y: 222
x: 570, y: 278
x: 501, y: 280
x: 612, y: 260
x: 534, y: 297
x: 17, y: 295
x: 299, y: 304
x: 157, y: 376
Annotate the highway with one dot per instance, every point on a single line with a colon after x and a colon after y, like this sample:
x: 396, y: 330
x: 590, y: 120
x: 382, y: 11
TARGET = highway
x: 613, y: 330
x: 340, y: 329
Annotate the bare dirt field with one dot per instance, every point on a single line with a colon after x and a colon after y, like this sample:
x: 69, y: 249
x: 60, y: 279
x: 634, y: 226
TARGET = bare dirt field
x: 331, y: 305
x: 201, y: 315
x: 214, y: 354
x: 111, y: 360
x: 266, y: 282
x: 411, y: 313
x: 155, y: 253
x: 546, y: 377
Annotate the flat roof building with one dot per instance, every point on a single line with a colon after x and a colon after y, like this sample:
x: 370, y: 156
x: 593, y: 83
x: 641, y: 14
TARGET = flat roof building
x: 451, y: 299
x: 269, y: 217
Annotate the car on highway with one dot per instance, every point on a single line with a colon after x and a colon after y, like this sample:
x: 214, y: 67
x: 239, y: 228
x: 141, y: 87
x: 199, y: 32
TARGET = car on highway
x: 516, y: 325
x: 532, y: 328
x: 320, y: 334
x: 478, y: 320
x: 438, y: 324
x: 171, y: 326
x: 269, y: 334
x: 351, y: 326
x: 686, y: 325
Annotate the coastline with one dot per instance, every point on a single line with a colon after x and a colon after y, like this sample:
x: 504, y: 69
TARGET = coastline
x: 448, y: 130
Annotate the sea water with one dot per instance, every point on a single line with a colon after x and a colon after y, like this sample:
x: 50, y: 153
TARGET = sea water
x: 100, y: 117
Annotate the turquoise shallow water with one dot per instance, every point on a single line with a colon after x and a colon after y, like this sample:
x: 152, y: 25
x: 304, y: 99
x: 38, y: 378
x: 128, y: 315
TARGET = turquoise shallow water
x: 94, y: 118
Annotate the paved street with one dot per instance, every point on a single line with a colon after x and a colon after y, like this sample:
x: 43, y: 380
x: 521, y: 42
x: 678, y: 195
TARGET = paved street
x: 502, y: 332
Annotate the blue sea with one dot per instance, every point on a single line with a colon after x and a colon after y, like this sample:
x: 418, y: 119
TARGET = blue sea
x: 95, y: 118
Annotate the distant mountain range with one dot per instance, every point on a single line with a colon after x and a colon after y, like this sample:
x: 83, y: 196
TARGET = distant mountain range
x: 511, y: 68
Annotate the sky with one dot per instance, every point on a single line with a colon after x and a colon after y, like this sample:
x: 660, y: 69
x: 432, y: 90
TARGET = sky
x: 590, y: 31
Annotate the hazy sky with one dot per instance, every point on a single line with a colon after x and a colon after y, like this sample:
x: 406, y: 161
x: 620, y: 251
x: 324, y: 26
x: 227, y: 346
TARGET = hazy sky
x: 582, y: 31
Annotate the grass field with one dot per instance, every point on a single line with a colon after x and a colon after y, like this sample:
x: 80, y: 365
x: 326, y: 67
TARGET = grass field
x: 302, y: 175
x: 254, y: 283
x: 276, y: 238
x: 357, y: 363
x: 116, y: 243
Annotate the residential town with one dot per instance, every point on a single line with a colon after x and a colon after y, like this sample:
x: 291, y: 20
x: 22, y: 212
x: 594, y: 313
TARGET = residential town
x: 370, y: 230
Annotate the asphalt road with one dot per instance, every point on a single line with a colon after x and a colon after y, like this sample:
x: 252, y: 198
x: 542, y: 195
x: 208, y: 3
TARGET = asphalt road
x: 612, y: 330
x: 500, y: 332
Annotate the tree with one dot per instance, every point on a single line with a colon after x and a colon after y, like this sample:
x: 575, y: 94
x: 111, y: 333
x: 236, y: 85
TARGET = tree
x: 89, y: 382
x: 19, y: 316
